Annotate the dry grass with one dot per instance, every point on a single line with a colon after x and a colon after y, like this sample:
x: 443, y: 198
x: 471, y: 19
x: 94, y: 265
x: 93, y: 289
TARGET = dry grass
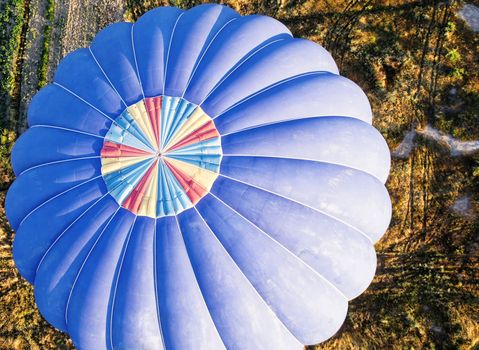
x: 418, y: 64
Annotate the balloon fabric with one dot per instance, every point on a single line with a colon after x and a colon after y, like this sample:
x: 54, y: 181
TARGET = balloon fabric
x: 198, y: 180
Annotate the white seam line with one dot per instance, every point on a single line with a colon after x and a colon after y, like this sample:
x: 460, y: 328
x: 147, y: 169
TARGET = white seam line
x: 317, y: 273
x: 84, y: 263
x: 155, y: 279
x: 267, y: 88
x: 232, y: 155
x: 197, y: 64
x: 299, y: 118
x: 56, y: 196
x: 300, y: 203
x: 165, y: 68
x: 46, y: 126
x: 246, y: 278
x: 238, y: 65
x: 125, y: 246
x: 56, y: 162
x: 197, y: 283
x: 106, y: 77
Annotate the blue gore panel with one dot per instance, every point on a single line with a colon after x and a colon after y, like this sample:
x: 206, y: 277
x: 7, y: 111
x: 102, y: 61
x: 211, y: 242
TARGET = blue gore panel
x: 180, y: 301
x: 285, y: 101
x: 230, y: 297
x: 55, y: 106
x: 21, y: 199
x: 193, y: 33
x: 283, y: 59
x: 343, y: 255
x: 113, y: 51
x: 339, y: 140
x: 151, y: 40
x: 133, y: 311
x: 333, y: 189
x: 51, y: 144
x: 62, y: 262
x: 87, y: 310
x: 53, y: 217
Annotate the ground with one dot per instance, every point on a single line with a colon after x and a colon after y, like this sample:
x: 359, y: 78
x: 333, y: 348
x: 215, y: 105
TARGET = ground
x: 418, y: 63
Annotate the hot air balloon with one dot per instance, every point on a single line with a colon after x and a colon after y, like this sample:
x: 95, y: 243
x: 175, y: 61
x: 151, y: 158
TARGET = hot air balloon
x: 198, y: 180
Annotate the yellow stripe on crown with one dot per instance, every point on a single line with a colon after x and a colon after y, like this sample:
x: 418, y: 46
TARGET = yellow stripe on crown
x: 201, y: 176
x: 140, y: 115
x: 110, y: 165
x: 197, y: 119
x: 150, y: 198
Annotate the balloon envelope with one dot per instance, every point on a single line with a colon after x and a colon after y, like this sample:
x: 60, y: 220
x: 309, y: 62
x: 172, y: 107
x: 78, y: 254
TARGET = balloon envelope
x: 198, y: 179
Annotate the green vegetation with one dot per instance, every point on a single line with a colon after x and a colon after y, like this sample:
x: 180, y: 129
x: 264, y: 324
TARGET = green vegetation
x: 7, y: 138
x: 417, y: 62
x: 12, y: 20
x: 47, y: 32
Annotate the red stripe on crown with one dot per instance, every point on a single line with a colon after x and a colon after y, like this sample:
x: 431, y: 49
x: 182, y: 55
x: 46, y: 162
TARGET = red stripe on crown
x: 193, y: 190
x: 153, y: 107
x: 134, y: 199
x: 206, y: 132
x: 115, y: 150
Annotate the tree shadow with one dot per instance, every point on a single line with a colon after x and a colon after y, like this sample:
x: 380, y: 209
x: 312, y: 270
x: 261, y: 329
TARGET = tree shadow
x: 411, y: 300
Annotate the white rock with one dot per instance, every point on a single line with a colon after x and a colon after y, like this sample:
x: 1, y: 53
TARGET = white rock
x: 463, y: 206
x: 405, y: 147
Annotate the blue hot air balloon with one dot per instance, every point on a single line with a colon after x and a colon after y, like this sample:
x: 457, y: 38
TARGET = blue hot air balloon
x: 198, y: 180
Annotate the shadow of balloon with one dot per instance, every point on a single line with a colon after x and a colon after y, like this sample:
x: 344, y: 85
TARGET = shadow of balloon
x: 414, y: 300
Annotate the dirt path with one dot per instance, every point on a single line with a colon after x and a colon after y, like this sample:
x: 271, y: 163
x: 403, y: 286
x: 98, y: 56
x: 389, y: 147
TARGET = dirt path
x: 85, y: 18
x: 19, y: 62
x: 74, y: 26
x: 32, y: 51
x: 456, y: 147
